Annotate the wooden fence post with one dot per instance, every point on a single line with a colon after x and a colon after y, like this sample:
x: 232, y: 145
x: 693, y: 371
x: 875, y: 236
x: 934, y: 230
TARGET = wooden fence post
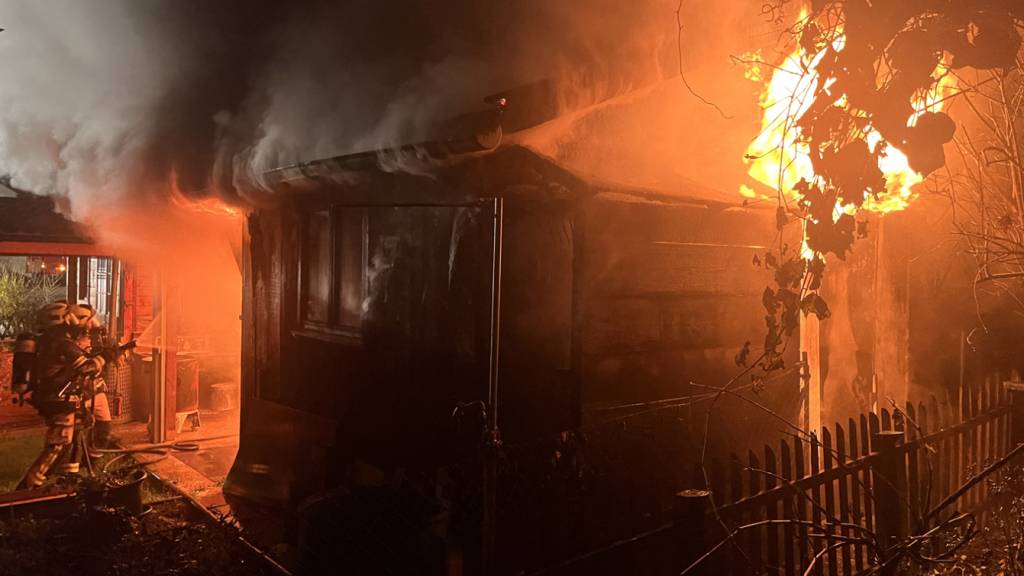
x: 1016, y: 392
x: 690, y: 509
x: 889, y: 480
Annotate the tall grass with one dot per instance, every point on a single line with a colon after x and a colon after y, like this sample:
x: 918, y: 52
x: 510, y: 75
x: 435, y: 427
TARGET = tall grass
x: 21, y: 295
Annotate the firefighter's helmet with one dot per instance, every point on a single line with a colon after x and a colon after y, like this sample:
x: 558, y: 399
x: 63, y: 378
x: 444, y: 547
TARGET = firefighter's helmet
x: 61, y: 313
x: 52, y: 315
x: 83, y: 316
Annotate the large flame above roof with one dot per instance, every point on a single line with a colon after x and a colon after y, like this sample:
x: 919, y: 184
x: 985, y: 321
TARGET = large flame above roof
x: 779, y: 158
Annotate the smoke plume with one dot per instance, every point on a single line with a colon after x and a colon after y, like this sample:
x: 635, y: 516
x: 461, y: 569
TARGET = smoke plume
x: 111, y: 99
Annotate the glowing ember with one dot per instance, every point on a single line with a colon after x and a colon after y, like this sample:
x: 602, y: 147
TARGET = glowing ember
x: 779, y: 158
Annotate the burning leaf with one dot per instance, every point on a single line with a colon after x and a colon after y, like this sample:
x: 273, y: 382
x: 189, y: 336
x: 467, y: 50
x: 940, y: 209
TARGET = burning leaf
x: 743, y: 354
x: 862, y: 229
x: 810, y: 38
x: 853, y: 170
x: 773, y: 362
x: 815, y: 304
x: 790, y: 273
x: 780, y: 218
x: 770, y: 260
x: 835, y: 237
x: 815, y: 272
x: 915, y: 54
x: 770, y: 302
x: 989, y: 42
x: 936, y: 127
x: 772, y: 339
x: 790, y: 319
x: 757, y: 383
x: 924, y: 140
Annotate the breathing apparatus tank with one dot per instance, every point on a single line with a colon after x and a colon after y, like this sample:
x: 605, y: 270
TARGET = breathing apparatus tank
x: 24, y: 362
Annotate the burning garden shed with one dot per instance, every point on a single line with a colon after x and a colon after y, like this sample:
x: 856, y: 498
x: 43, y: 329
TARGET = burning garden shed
x: 641, y: 313
x: 391, y: 319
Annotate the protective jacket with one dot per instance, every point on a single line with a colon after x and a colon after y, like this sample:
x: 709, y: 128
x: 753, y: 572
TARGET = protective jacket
x: 59, y: 362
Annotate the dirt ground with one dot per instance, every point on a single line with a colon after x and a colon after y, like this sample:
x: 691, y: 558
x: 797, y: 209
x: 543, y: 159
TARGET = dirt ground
x: 174, y: 538
x: 81, y: 540
x: 997, y: 547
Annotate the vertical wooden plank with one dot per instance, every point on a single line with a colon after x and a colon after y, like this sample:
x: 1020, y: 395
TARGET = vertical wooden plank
x: 993, y: 406
x: 956, y: 449
x: 719, y: 483
x: 886, y: 420
x: 976, y: 439
x: 844, y: 498
x: 799, y: 472
x: 771, y: 510
x: 984, y: 453
x: 738, y: 565
x: 1002, y: 429
x: 865, y: 477
x: 719, y: 496
x: 926, y: 462
x: 913, y: 451
x: 719, y: 491
x: 830, y: 499
x: 754, y: 537
x: 856, y: 508
x: 942, y: 456
x: 789, y: 503
x: 816, y: 544
x: 967, y: 443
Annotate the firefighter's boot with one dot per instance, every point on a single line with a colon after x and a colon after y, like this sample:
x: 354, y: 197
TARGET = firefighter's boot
x: 60, y: 429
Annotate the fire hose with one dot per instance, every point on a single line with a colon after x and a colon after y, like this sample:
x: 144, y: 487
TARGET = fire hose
x: 162, y: 450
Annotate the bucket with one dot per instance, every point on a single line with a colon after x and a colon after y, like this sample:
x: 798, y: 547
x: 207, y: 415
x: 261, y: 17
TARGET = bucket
x: 127, y: 492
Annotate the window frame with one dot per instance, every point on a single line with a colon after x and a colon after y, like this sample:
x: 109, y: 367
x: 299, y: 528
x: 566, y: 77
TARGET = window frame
x: 333, y: 329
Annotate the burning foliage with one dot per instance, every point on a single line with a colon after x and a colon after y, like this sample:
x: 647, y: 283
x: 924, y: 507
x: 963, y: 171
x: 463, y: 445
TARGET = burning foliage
x: 854, y: 119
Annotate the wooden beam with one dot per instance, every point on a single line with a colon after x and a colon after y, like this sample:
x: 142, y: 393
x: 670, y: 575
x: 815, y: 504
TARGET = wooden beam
x: 72, y: 279
x: 52, y: 249
x: 810, y: 348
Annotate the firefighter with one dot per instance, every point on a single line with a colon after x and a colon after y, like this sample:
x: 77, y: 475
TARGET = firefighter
x: 65, y: 363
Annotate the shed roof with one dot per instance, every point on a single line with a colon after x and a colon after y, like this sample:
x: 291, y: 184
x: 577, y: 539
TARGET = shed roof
x: 25, y: 218
x: 498, y: 172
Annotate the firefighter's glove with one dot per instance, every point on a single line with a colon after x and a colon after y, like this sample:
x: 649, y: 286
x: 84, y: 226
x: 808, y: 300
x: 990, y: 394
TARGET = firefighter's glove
x: 111, y: 354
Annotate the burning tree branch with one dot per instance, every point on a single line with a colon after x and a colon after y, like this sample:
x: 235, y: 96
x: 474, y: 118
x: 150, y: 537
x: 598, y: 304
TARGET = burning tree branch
x: 682, y: 73
x: 986, y: 191
x: 853, y: 121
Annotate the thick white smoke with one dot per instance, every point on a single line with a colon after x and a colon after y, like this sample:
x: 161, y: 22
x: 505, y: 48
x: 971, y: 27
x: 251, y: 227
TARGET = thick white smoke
x: 107, y: 99
x: 79, y: 87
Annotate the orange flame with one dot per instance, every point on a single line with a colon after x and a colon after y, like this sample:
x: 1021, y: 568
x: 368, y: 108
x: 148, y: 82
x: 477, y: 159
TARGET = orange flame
x: 210, y: 205
x: 778, y: 159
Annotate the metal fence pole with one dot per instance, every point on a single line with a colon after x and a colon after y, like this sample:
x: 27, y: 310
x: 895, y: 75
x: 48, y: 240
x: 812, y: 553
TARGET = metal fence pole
x: 690, y: 508
x: 889, y: 480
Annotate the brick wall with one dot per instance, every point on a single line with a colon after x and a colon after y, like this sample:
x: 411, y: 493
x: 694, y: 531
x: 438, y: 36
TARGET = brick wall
x: 6, y: 357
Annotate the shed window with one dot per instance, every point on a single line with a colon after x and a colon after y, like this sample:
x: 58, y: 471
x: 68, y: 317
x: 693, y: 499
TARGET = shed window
x: 334, y: 270
x: 318, y: 267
